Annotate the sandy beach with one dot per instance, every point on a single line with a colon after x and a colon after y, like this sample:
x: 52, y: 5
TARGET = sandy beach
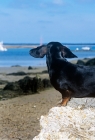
x: 19, y: 117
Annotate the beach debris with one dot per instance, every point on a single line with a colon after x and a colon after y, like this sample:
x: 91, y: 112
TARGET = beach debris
x: 38, y: 118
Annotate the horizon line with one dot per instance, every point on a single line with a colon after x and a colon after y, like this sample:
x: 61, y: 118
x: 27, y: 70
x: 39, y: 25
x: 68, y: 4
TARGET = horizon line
x: 47, y: 43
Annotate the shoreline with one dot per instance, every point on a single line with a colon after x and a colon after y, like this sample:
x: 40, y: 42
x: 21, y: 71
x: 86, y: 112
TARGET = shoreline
x: 73, y: 60
x: 20, y: 46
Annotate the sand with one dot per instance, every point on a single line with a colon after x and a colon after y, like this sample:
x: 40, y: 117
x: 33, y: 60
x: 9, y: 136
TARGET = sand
x: 19, y: 117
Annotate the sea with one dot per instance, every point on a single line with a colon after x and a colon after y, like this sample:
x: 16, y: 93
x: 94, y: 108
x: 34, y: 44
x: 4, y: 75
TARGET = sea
x: 20, y: 56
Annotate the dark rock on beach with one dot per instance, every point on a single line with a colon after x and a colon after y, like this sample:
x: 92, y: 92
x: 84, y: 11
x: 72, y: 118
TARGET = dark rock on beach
x: 2, y: 82
x: 30, y: 68
x: 20, y: 73
x: 80, y: 62
x: 87, y: 62
x: 16, y: 66
x: 26, y: 86
x: 13, y: 86
x: 90, y: 62
x: 44, y: 71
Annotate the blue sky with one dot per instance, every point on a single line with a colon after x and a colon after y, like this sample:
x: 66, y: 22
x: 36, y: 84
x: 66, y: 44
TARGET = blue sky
x: 30, y: 21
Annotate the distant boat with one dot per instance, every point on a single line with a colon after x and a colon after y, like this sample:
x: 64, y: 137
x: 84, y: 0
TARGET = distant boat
x: 1, y: 47
x: 77, y: 49
x: 86, y: 48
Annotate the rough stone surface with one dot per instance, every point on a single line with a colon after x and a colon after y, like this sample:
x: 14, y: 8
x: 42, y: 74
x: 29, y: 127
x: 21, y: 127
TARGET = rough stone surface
x: 76, y: 121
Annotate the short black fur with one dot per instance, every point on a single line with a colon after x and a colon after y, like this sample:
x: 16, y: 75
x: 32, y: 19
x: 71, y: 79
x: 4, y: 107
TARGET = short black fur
x: 69, y: 79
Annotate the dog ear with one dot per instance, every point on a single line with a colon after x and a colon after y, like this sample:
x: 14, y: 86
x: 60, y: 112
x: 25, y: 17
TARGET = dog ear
x: 39, y: 52
x: 66, y: 52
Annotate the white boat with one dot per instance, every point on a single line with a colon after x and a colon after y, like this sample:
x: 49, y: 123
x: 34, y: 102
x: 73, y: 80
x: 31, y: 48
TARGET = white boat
x: 1, y: 47
x: 77, y: 49
x: 86, y: 48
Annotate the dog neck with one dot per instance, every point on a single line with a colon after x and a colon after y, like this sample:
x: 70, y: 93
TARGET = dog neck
x: 51, y: 60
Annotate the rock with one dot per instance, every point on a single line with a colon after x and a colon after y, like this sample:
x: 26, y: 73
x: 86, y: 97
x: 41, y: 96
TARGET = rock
x: 29, y: 84
x: 46, y: 83
x: 90, y: 62
x: 44, y: 71
x: 26, y: 86
x: 80, y: 62
x: 29, y: 68
x: 13, y: 86
x: 86, y: 62
x: 16, y: 66
x: 20, y: 73
x: 76, y: 121
x: 2, y: 82
x: 7, y: 94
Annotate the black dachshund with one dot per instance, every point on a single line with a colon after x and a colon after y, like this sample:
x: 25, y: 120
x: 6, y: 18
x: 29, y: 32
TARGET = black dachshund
x: 69, y: 79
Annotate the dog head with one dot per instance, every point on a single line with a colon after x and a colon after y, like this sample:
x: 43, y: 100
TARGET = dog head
x: 53, y: 48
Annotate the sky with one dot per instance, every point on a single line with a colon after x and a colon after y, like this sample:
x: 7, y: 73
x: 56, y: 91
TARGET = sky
x: 34, y: 21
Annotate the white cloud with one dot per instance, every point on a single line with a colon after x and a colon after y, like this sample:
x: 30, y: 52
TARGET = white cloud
x: 59, y: 2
